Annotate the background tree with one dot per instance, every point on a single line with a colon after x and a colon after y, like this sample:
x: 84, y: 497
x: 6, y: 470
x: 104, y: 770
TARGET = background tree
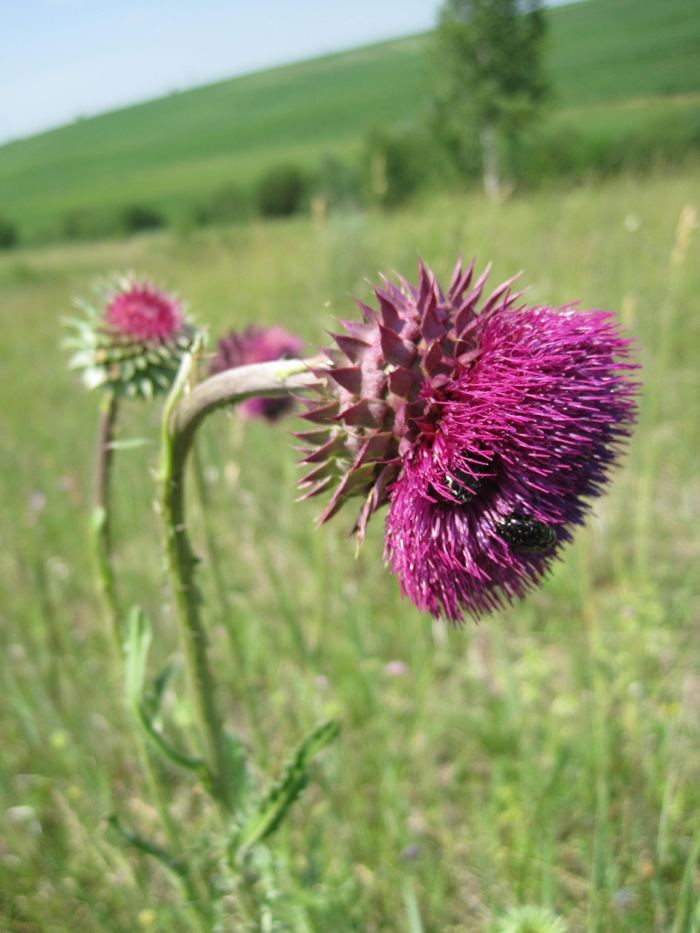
x: 8, y: 234
x: 489, y: 57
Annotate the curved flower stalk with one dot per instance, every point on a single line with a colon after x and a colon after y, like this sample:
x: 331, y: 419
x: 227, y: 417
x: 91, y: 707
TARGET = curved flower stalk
x: 258, y: 345
x: 181, y: 419
x: 247, y: 818
x: 484, y: 425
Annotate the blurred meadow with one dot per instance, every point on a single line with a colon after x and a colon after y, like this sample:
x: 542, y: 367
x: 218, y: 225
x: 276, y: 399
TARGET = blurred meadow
x: 549, y: 755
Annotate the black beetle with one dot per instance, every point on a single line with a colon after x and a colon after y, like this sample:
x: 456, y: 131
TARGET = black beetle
x: 464, y: 486
x: 526, y: 534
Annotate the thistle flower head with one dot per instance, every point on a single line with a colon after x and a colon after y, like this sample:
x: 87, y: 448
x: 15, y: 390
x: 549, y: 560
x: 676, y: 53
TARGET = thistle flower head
x: 145, y: 312
x: 133, y: 341
x: 485, y: 429
x: 258, y: 345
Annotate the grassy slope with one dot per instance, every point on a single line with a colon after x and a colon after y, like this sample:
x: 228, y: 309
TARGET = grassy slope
x: 610, y: 50
x: 186, y: 145
x: 198, y: 139
x: 549, y: 755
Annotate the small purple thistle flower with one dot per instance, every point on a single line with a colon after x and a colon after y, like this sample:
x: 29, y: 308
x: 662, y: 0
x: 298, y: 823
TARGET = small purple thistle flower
x: 132, y: 342
x: 258, y: 345
x: 485, y: 431
x: 141, y: 310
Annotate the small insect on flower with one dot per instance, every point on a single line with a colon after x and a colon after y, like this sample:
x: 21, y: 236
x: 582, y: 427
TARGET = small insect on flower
x: 527, y: 535
x: 465, y: 486
x: 258, y: 345
x: 133, y: 341
x: 484, y: 425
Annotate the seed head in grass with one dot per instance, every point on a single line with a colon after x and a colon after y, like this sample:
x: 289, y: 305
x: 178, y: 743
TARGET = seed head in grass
x: 132, y: 341
x: 258, y: 345
x: 485, y: 430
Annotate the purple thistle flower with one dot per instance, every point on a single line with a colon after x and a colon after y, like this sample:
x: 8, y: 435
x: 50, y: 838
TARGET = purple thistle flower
x: 145, y: 312
x: 258, y: 345
x: 484, y: 432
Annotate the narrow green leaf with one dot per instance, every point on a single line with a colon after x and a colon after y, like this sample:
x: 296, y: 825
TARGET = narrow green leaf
x: 415, y: 924
x: 129, y: 443
x: 153, y: 698
x: 138, y: 643
x: 684, y: 903
x: 98, y: 517
x: 147, y: 847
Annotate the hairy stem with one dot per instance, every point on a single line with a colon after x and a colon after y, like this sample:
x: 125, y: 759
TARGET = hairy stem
x: 180, y: 424
x: 101, y: 516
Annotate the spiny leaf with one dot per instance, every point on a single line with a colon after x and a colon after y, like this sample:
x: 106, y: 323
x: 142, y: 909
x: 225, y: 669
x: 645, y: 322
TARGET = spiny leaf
x: 275, y: 805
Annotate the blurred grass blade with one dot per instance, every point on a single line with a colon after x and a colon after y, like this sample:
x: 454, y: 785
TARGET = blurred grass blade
x: 237, y: 772
x: 138, y: 645
x: 288, y: 611
x: 147, y: 847
x: 415, y: 924
x: 275, y: 805
x: 684, y: 923
x: 154, y: 697
x: 130, y: 443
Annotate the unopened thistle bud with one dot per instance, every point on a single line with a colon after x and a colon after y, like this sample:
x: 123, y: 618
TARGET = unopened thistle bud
x: 133, y: 342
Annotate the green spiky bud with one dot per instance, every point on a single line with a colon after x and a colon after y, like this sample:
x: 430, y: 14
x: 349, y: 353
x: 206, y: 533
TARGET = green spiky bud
x: 133, y: 342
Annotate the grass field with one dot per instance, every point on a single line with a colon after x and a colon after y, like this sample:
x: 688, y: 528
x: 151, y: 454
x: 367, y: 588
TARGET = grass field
x: 636, y: 58
x: 550, y: 755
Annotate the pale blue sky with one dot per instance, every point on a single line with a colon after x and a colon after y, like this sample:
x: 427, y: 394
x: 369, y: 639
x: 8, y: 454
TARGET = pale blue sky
x: 60, y: 59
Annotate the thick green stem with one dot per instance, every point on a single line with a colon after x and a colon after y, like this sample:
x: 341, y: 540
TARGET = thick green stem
x: 101, y: 515
x: 103, y: 550
x: 179, y: 427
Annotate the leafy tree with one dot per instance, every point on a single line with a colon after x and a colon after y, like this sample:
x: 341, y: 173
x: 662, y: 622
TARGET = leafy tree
x: 139, y: 217
x: 489, y: 56
x: 281, y: 191
x: 8, y: 234
x: 395, y: 164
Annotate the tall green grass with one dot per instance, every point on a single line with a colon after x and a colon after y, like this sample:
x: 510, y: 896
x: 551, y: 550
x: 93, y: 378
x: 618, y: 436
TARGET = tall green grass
x: 548, y: 756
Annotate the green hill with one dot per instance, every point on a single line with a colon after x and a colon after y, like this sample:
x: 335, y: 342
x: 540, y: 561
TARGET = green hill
x: 612, y: 50
x: 611, y: 62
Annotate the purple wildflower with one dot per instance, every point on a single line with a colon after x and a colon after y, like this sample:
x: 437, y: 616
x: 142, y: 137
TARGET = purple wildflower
x: 142, y: 311
x: 484, y: 432
x: 258, y: 345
